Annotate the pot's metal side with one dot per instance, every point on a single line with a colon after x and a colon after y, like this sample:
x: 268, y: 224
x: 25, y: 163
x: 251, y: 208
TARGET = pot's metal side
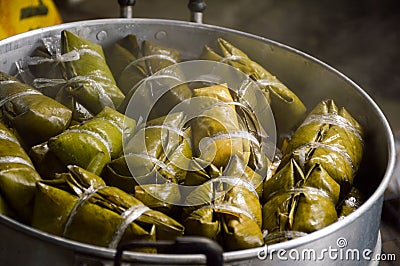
x: 311, y: 79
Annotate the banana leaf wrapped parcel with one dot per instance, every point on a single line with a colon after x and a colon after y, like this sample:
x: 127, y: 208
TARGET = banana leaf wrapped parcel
x: 332, y: 138
x: 288, y: 109
x: 217, y: 132
x: 226, y: 209
x: 299, y: 202
x: 91, y: 80
x: 35, y: 116
x: 45, y: 69
x: 46, y: 163
x: 79, y: 206
x: 156, y: 158
x: 316, y: 174
x: 351, y: 202
x: 94, y: 143
x: 201, y: 172
x: 18, y: 177
x: 46, y: 61
x: 132, y: 63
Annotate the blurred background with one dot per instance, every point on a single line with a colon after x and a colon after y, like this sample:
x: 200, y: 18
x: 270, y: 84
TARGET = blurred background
x: 360, y: 38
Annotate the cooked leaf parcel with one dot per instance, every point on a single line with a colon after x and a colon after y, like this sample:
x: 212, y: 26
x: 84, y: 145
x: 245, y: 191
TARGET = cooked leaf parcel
x: 73, y: 164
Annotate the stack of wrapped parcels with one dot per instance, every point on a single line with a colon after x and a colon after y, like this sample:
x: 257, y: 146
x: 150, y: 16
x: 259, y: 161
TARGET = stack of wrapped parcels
x: 73, y: 164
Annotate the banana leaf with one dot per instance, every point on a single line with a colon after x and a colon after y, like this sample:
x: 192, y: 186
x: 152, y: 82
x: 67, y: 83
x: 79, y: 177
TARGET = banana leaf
x: 227, y: 208
x: 79, y: 112
x: 229, y: 213
x: 291, y: 176
x: 332, y: 138
x: 201, y: 171
x: 303, y: 210
x: 165, y: 144
x: 120, y: 56
x: 207, y: 178
x: 17, y: 176
x: 92, y: 83
x: 161, y: 197
x: 298, y: 202
x: 45, y: 69
x: 46, y: 163
x: 216, y: 132
x: 288, y: 109
x: 132, y: 63
x: 46, y: 61
x: 94, y: 143
x: 228, y: 191
x: 353, y: 200
x: 155, y: 160
x: 35, y: 116
x: 237, y: 168
x: 79, y: 206
x: 153, y: 189
x: 233, y: 230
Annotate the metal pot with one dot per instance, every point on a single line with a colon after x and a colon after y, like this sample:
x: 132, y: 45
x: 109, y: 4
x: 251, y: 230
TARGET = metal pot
x: 310, y: 79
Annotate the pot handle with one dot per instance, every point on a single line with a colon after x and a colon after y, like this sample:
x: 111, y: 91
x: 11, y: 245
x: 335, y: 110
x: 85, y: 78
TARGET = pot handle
x: 181, y: 245
x: 196, y: 8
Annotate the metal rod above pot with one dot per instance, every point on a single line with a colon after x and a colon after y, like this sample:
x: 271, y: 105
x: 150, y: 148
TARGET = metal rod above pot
x: 196, y: 8
x: 126, y: 8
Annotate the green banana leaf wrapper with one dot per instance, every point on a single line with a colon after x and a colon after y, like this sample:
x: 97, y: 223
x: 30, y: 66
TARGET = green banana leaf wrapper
x: 201, y: 171
x: 291, y: 176
x: 235, y: 174
x: 288, y: 109
x: 298, y: 202
x: 160, y: 197
x: 94, y: 143
x: 93, y: 84
x: 79, y: 112
x: 154, y: 162
x: 230, y: 213
x: 233, y: 230
x: 79, y: 206
x: 18, y: 177
x: 35, y: 116
x: 216, y: 132
x: 332, y: 138
x: 45, y: 70
x: 353, y: 200
x: 47, y: 164
x: 46, y: 61
x: 132, y: 63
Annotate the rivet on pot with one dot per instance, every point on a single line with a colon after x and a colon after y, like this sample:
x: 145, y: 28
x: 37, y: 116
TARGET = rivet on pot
x: 101, y: 35
x: 160, y: 35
